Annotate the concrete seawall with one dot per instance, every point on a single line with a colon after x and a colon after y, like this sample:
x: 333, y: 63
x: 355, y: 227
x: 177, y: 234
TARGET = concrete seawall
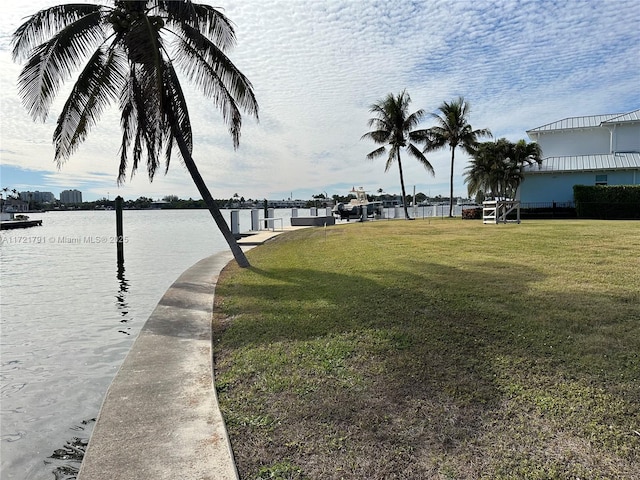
x: 160, y: 417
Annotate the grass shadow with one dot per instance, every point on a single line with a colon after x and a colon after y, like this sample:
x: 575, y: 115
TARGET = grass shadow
x: 414, y: 368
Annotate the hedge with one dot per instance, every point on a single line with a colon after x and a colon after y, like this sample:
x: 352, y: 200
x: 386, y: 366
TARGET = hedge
x: 607, y: 201
x: 472, y: 213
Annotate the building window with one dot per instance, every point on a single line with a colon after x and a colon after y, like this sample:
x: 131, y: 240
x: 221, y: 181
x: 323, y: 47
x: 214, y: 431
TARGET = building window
x: 601, y: 179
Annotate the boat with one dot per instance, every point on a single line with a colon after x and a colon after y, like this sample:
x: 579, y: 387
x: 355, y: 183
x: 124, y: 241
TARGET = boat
x: 357, y: 207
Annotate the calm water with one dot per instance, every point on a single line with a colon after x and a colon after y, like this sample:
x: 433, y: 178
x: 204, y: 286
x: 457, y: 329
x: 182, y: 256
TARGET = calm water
x: 69, y: 316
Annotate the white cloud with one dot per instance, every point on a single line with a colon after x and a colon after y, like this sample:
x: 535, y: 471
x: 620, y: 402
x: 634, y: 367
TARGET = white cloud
x: 317, y: 66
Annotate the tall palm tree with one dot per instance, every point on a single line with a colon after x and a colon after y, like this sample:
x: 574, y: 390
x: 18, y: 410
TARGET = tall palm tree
x: 128, y: 54
x: 393, y: 125
x: 453, y: 129
x: 497, y: 167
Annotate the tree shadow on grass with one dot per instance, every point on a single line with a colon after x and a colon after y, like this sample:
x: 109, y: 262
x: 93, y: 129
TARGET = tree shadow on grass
x: 421, y: 364
x: 454, y: 371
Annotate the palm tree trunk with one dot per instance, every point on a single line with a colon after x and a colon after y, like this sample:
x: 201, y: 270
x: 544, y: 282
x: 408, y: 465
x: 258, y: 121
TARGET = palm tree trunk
x: 404, y: 195
x: 453, y: 151
x: 238, y: 254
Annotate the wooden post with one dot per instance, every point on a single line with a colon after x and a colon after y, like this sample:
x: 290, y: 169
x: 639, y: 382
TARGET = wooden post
x: 119, y: 234
x: 266, y: 214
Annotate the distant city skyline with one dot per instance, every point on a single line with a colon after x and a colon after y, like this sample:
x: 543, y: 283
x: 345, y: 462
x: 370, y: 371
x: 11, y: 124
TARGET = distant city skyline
x: 47, y: 196
x: 318, y: 68
x: 37, y: 196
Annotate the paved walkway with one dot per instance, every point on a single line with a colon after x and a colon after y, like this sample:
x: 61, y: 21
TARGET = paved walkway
x: 160, y: 417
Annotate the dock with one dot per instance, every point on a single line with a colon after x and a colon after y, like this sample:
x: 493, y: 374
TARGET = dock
x: 11, y: 224
x: 258, y: 237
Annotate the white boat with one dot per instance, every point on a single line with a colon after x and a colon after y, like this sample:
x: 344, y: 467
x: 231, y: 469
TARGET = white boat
x: 357, y: 207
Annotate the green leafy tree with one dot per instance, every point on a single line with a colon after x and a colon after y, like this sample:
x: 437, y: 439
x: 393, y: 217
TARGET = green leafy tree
x: 453, y: 130
x: 143, y: 202
x: 128, y: 54
x: 395, y: 126
x: 497, y: 167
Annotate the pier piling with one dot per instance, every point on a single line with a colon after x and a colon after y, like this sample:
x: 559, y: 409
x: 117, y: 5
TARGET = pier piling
x: 119, y: 230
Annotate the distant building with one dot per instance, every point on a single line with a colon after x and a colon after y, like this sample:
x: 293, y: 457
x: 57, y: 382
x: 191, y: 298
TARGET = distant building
x: 37, y: 197
x: 592, y: 150
x: 70, y: 196
x: 13, y: 205
x: 286, y: 203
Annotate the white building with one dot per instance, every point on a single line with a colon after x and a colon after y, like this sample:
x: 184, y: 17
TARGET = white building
x: 37, y: 197
x: 70, y: 196
x: 592, y: 150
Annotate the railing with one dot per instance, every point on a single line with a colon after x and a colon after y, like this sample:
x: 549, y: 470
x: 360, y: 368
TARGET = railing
x: 496, y: 211
x: 270, y: 223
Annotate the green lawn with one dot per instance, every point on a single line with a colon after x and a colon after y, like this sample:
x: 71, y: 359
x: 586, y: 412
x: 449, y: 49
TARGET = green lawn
x: 434, y: 349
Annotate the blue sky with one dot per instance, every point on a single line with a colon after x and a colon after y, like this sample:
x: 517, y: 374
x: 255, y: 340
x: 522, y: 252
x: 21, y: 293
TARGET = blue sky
x: 316, y: 67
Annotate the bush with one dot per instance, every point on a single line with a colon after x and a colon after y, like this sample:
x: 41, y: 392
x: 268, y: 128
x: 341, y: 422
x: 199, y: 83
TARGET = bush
x: 607, y: 201
x: 472, y: 213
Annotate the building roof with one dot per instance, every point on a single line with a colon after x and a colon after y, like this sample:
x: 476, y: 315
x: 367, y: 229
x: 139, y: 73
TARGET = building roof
x: 590, y: 121
x: 627, y: 117
x: 581, y: 163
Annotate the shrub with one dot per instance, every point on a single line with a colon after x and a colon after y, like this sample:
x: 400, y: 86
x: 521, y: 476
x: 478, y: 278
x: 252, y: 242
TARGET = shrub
x: 472, y: 213
x: 607, y: 201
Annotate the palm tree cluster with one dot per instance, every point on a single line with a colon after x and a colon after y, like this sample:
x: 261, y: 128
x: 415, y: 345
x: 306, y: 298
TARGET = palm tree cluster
x: 393, y: 125
x: 10, y: 192
x: 129, y: 54
x: 496, y: 168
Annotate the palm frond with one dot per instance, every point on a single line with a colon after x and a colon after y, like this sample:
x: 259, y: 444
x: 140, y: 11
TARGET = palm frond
x: 128, y: 126
x: 130, y: 122
x: 378, y: 136
x: 215, y: 25
x: 151, y: 109
x: 46, y: 23
x: 141, y: 121
x: 376, y: 153
x: 53, y: 62
x: 211, y: 53
x: 420, y: 136
x: 178, y: 122
x: 413, y: 120
x: 217, y: 78
x: 418, y: 155
x: 97, y: 85
x: 378, y: 110
x: 204, y: 18
x: 436, y: 138
x: 380, y: 124
x: 393, y: 154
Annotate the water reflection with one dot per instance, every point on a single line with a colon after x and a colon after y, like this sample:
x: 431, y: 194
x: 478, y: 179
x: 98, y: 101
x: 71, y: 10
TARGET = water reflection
x: 67, y: 459
x: 121, y: 296
x: 56, y: 366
